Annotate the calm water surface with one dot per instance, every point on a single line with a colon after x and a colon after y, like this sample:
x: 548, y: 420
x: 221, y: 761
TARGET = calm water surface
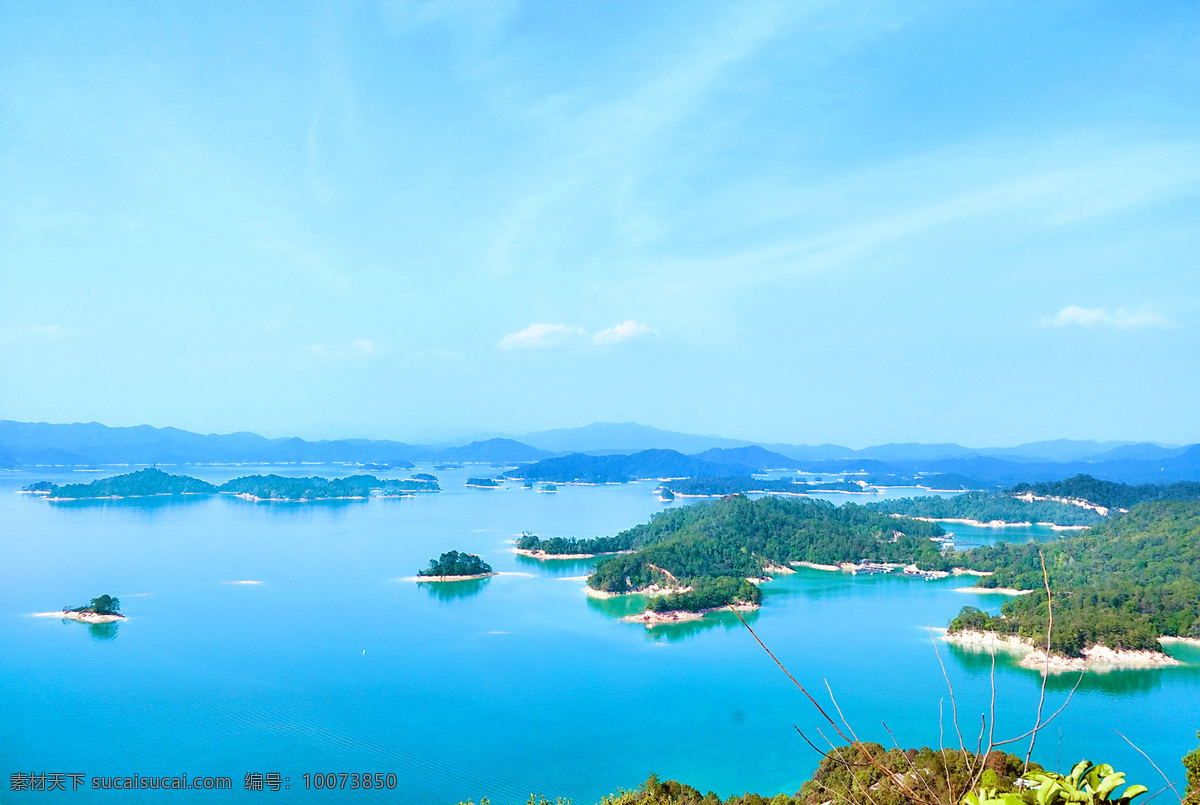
x: 497, y: 688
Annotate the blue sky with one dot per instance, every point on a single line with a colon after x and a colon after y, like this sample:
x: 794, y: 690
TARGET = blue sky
x: 796, y: 222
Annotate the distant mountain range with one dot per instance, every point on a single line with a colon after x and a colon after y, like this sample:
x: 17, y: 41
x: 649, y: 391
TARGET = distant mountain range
x: 662, y: 453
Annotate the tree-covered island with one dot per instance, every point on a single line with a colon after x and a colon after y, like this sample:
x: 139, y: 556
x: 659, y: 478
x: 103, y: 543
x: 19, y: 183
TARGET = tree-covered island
x: 988, y: 508
x: 1123, y: 585
x: 152, y: 482
x: 710, y: 555
x: 737, y: 485
x: 102, y: 609
x: 535, y: 547
x: 455, y: 566
x: 483, y: 483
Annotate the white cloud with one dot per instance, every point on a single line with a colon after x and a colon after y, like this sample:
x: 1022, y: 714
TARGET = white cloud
x: 540, y: 335
x: 559, y: 335
x: 358, y: 348
x: 1074, y: 315
x: 623, y: 332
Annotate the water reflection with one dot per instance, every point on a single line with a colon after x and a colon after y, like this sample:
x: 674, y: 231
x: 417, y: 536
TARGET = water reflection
x: 978, y: 660
x: 676, y: 632
x: 148, y: 504
x: 455, y: 590
x: 556, y: 568
x: 103, y: 631
x: 622, y: 606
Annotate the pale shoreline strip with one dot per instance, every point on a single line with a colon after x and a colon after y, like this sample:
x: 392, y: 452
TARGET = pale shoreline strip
x: 653, y: 591
x: 991, y: 523
x: 651, y: 619
x: 815, y: 566
x: 542, y: 556
x: 82, y: 617
x: 449, y: 578
x: 996, y: 590
x: 1095, y: 658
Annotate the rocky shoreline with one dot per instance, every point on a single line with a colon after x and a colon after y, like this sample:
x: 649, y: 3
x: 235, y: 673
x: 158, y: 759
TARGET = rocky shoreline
x: 1095, y: 658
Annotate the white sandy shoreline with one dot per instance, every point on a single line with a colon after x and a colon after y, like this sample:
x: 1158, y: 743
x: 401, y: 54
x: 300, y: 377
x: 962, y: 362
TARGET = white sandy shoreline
x: 542, y: 556
x: 82, y: 617
x: 992, y: 523
x: 994, y: 590
x: 420, y: 579
x: 1095, y: 658
x: 651, y: 619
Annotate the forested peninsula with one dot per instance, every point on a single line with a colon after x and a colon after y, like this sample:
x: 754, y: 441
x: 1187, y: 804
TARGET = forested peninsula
x: 1122, y: 584
x: 719, y: 487
x: 986, y: 508
x: 1109, y: 494
x: 705, y: 556
x: 152, y: 481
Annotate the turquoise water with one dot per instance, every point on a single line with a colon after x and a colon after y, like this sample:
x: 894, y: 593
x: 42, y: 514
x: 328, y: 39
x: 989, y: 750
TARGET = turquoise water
x: 497, y: 688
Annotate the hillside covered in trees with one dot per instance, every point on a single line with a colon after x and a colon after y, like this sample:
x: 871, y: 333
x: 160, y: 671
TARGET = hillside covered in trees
x: 987, y: 506
x: 715, y: 487
x: 1120, y: 584
x: 1110, y: 494
x: 714, y: 547
x: 610, y: 469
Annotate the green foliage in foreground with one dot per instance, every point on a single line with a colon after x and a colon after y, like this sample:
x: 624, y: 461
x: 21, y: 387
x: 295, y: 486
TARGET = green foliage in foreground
x: 1120, y: 584
x: 848, y: 775
x: 104, y: 605
x: 453, y: 563
x: 987, y: 506
x: 735, y: 538
x: 1111, y: 494
x: 1191, y: 762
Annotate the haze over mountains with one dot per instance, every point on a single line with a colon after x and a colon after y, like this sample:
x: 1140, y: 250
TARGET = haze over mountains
x: 93, y: 444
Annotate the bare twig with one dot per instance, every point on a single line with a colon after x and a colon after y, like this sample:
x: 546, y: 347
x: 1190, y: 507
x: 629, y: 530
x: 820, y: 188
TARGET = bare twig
x: 897, y: 779
x: 1170, y: 784
x: 1046, y: 665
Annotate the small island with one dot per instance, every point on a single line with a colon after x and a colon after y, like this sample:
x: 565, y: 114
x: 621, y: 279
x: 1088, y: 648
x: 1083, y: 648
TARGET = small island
x: 104, y: 609
x: 535, y: 547
x: 152, y: 482
x: 483, y: 483
x: 455, y: 566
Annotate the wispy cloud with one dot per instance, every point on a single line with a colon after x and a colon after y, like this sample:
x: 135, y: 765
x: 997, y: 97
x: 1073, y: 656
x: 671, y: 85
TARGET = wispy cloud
x: 358, y: 349
x: 541, y: 335
x: 1076, y: 316
x: 623, y: 332
x: 558, y: 335
x: 39, y: 332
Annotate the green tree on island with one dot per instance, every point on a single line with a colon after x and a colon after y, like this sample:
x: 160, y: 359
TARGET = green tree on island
x: 104, y: 605
x: 453, y: 563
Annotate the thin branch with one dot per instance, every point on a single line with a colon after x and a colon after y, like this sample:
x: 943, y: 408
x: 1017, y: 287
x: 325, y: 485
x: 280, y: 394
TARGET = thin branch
x: 1045, y: 723
x: 1152, y: 763
x: 908, y: 792
x: 1046, y: 664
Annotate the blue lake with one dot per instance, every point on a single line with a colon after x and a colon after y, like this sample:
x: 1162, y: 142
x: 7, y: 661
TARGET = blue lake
x: 519, y: 683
